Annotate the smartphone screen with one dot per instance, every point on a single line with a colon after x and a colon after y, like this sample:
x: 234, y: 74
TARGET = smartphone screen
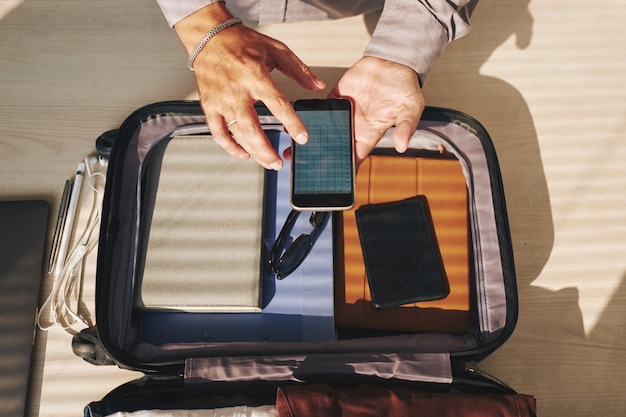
x: 322, y: 170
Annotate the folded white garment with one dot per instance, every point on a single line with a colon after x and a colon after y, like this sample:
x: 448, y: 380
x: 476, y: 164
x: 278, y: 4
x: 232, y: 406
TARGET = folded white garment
x: 239, y: 411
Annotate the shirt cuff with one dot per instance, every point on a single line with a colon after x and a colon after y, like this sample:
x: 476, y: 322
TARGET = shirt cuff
x: 410, y: 37
x: 176, y: 10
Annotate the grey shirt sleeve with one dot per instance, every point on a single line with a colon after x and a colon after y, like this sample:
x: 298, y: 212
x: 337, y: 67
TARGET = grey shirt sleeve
x: 416, y: 32
x: 176, y: 10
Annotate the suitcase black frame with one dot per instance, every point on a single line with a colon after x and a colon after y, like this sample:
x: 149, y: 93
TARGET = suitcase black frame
x: 166, y: 376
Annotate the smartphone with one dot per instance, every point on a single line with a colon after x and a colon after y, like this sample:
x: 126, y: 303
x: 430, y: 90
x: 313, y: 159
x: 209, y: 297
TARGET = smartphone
x: 323, y: 169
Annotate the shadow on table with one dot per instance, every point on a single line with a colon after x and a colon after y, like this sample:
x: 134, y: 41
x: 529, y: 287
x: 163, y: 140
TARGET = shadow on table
x: 549, y: 355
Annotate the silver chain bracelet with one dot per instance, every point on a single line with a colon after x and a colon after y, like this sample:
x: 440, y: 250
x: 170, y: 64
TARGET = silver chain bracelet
x: 217, y: 29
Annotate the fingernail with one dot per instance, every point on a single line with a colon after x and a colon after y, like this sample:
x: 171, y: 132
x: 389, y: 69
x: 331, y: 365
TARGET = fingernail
x: 276, y: 166
x: 320, y: 84
x: 302, y: 138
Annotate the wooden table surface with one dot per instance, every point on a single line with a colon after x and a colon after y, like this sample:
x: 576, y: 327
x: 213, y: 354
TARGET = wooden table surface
x: 546, y: 78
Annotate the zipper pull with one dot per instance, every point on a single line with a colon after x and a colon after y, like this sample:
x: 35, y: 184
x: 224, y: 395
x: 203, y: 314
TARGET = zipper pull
x: 471, y: 366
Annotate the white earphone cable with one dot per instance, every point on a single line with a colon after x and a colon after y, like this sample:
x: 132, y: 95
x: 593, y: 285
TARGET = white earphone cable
x: 67, y: 288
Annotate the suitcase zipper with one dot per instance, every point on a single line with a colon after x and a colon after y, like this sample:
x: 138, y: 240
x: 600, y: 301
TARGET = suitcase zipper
x: 471, y: 376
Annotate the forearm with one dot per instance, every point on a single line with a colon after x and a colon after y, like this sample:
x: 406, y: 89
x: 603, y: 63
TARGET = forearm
x: 193, y: 27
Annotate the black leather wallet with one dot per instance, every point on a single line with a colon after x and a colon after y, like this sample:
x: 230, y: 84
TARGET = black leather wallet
x: 402, y: 258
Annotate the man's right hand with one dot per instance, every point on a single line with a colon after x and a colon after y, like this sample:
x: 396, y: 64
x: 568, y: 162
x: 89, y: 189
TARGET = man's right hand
x: 232, y: 73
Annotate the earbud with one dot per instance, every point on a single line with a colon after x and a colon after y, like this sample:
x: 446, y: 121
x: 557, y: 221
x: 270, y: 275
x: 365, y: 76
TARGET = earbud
x: 104, y: 143
x: 89, y: 161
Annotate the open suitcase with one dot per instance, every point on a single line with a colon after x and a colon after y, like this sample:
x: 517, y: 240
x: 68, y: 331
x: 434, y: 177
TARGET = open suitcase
x: 208, y: 370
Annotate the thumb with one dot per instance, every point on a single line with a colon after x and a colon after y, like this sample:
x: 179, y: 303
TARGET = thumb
x: 403, y: 131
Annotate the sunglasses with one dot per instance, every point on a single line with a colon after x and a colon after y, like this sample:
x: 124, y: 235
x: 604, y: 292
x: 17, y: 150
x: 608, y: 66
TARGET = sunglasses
x: 283, y: 264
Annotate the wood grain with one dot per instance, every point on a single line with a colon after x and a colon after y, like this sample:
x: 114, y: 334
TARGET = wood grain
x: 545, y: 78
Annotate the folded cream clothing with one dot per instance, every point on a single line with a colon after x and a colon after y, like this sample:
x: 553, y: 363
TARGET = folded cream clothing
x: 203, y: 249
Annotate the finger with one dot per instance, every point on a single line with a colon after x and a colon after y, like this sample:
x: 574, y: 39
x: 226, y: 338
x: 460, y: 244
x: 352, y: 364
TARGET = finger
x: 252, y: 138
x: 334, y: 93
x: 222, y: 137
x: 406, y: 124
x: 280, y: 107
x: 289, y: 64
x: 401, y: 135
x: 361, y: 151
x: 287, y: 153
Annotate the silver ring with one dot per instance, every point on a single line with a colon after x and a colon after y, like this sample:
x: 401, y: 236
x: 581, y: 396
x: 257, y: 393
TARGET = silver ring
x: 232, y: 122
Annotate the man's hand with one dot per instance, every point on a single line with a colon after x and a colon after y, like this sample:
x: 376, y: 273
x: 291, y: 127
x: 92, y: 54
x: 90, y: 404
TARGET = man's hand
x: 384, y: 94
x: 233, y: 72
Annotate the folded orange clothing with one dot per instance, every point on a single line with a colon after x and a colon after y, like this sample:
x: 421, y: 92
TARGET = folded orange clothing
x: 374, y: 402
x: 392, y: 178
